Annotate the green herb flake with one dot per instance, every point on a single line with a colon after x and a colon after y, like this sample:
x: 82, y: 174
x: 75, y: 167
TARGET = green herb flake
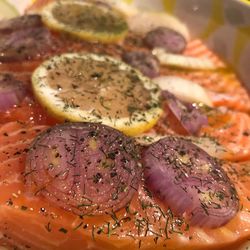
x: 78, y: 226
x: 48, y: 227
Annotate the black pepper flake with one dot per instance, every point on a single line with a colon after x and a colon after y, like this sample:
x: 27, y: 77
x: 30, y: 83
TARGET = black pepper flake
x: 246, y: 133
x: 97, y: 177
x: 74, y: 86
x: 111, y: 155
x: 59, y: 87
x: 9, y: 202
x: 93, y: 133
x: 24, y: 208
x: 113, y: 174
x: 57, y: 155
x: 42, y: 209
x: 124, y: 160
x: 96, y: 75
x: 5, y: 134
x: 63, y: 230
x: 26, y: 150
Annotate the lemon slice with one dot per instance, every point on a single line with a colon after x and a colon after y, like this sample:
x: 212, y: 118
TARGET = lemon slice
x: 87, y: 20
x: 94, y: 88
x: 7, y: 10
x: 184, y: 62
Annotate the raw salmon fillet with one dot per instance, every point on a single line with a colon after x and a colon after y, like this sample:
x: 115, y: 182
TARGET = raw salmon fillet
x: 31, y: 222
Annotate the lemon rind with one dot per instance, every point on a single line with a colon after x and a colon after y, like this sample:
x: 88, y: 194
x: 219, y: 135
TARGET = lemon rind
x: 55, y: 106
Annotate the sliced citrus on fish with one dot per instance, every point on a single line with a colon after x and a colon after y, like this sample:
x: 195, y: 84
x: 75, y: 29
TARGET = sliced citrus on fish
x: 94, y: 88
x: 7, y: 10
x: 86, y: 20
x: 184, y: 62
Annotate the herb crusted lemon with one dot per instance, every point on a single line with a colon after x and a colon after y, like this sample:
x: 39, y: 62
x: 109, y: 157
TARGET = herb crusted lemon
x: 85, y: 19
x: 94, y: 88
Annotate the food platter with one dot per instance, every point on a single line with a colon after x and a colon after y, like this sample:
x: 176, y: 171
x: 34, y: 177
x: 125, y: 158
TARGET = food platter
x: 122, y: 130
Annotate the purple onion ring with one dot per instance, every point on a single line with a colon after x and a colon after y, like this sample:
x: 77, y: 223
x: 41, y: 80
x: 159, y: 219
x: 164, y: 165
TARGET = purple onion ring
x: 190, y: 182
x: 85, y: 168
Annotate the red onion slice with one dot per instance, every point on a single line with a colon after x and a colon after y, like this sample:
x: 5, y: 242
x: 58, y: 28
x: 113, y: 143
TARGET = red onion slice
x: 187, y: 118
x: 12, y: 92
x: 85, y: 168
x: 26, y: 44
x: 190, y: 182
x: 21, y: 22
x: 166, y: 38
x: 143, y: 61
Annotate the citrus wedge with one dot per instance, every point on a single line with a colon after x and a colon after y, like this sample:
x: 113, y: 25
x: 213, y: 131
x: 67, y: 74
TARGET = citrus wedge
x: 94, y: 88
x: 85, y: 19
